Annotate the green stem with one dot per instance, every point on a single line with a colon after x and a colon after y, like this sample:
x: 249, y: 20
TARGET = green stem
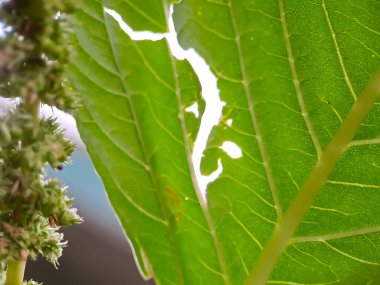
x: 15, y: 272
x: 309, y: 191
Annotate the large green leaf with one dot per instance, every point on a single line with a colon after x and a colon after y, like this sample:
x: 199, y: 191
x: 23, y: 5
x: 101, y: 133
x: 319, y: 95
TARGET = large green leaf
x: 289, y: 73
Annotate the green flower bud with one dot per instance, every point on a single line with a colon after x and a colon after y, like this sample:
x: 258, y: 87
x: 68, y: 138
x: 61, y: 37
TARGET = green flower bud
x: 69, y: 217
x: 33, y: 58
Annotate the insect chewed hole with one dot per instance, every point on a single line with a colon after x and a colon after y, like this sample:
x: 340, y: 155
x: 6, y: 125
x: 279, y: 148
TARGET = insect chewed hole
x: 134, y: 35
x: 232, y: 149
x: 193, y: 109
x: 210, y: 91
x: 205, y: 180
x: 214, y: 105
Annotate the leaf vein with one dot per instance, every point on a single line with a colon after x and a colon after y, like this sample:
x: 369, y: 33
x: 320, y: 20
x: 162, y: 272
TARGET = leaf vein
x: 201, y: 201
x: 355, y: 184
x: 358, y: 22
x: 350, y: 256
x: 250, y: 189
x: 123, y: 150
x: 296, y: 81
x: 337, y: 49
x: 170, y: 230
x: 128, y: 198
x: 338, y: 235
x: 364, y: 142
x: 252, y: 111
x: 246, y: 230
x: 144, y: 15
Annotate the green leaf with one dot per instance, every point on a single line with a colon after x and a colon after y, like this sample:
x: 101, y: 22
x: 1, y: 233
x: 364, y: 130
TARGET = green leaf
x: 289, y: 74
x: 140, y: 144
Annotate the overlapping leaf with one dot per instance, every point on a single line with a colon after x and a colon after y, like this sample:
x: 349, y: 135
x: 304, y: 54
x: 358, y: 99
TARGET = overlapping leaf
x: 289, y: 72
x: 133, y: 124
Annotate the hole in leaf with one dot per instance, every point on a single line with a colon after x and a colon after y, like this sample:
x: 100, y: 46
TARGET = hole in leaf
x: 210, y: 91
x: 193, y: 109
x: 232, y: 149
x: 134, y: 35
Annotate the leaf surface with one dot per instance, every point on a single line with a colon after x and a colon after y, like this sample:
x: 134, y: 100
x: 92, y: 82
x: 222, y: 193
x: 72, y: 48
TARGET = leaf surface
x: 141, y: 145
x: 289, y: 72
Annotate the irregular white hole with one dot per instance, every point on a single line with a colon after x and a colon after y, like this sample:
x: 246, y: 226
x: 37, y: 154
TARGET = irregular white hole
x: 229, y: 122
x: 210, y: 91
x: 232, y: 149
x: 193, y: 109
x: 214, y: 105
x: 137, y: 36
x: 213, y: 176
